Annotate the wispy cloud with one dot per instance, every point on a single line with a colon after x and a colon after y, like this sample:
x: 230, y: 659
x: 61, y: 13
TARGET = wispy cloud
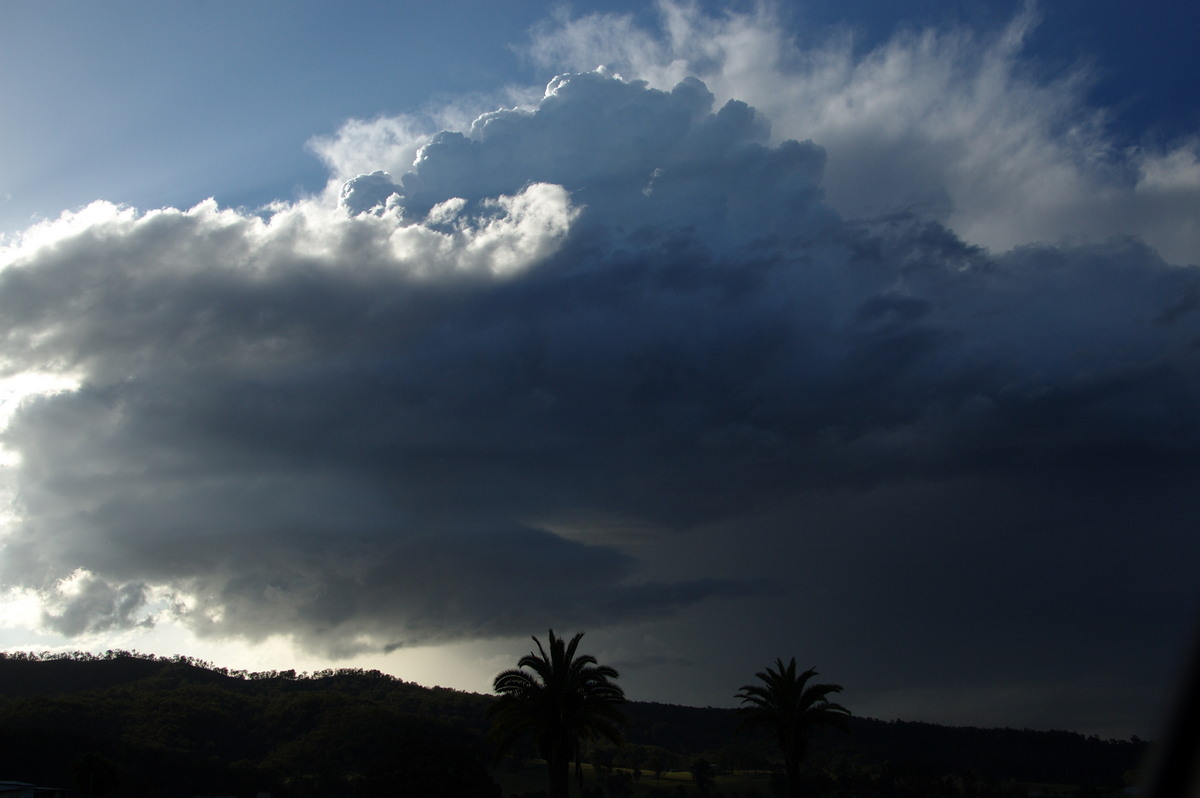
x: 953, y: 123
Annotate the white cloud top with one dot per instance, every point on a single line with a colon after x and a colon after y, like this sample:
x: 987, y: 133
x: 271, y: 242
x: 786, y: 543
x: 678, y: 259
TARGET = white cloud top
x: 949, y: 123
x: 495, y: 377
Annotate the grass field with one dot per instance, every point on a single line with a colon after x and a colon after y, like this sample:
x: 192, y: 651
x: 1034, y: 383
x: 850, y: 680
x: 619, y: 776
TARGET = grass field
x: 530, y: 777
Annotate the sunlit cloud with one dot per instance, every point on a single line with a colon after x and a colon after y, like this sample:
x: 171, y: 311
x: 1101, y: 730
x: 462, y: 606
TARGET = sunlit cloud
x: 951, y: 124
x: 896, y: 345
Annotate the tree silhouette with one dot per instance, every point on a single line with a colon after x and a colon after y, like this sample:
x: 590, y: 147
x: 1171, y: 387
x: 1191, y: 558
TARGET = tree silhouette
x: 702, y: 775
x: 787, y: 705
x: 560, y: 700
x: 96, y: 775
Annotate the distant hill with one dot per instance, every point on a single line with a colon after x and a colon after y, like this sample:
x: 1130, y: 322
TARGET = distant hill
x: 127, y: 725
x: 1024, y: 755
x: 179, y: 726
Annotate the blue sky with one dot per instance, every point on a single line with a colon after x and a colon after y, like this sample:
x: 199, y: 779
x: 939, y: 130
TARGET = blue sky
x: 162, y: 104
x: 155, y: 104
x: 859, y: 332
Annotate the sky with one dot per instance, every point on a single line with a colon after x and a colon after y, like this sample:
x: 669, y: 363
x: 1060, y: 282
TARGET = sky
x: 384, y: 335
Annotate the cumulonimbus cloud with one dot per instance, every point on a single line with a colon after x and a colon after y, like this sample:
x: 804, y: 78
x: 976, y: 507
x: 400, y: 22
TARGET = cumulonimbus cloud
x: 361, y: 420
x: 950, y: 123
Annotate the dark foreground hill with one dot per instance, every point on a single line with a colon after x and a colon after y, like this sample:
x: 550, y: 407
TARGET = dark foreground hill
x: 131, y: 725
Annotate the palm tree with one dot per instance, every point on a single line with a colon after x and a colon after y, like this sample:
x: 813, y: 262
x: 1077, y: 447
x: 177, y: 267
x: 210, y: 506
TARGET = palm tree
x: 561, y: 699
x: 789, y: 706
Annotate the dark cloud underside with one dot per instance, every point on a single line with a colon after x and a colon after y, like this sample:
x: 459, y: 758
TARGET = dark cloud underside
x: 372, y: 426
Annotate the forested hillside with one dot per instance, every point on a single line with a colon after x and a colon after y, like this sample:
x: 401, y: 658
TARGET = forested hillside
x: 125, y: 725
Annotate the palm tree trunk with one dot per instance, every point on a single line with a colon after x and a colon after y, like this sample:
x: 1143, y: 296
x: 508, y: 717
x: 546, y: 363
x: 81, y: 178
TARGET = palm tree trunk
x: 791, y: 760
x: 560, y: 775
x: 558, y: 760
x: 792, y: 766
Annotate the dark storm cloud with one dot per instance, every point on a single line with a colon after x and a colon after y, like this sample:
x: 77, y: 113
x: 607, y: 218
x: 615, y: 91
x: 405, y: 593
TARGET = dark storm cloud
x: 422, y: 415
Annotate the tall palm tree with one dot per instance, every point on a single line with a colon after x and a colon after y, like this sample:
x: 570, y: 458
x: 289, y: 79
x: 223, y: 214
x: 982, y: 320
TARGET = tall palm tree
x: 787, y: 705
x: 561, y: 699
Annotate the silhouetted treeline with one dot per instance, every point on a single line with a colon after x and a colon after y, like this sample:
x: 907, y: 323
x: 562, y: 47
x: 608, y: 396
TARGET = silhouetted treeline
x: 129, y: 725
x: 1058, y: 757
